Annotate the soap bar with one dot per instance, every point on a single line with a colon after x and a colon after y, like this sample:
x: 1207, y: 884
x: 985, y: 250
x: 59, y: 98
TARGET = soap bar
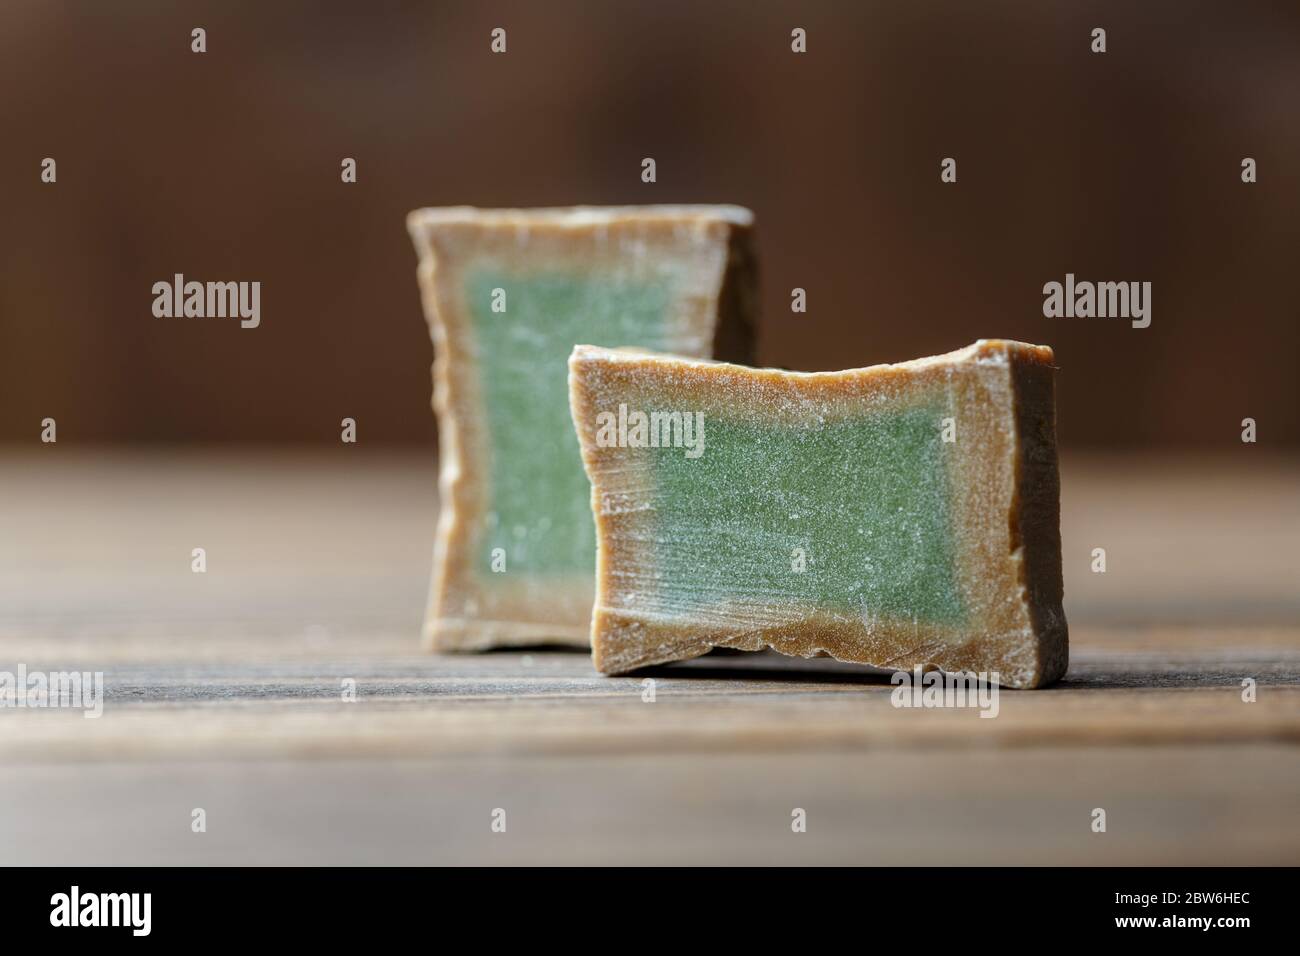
x: 507, y: 294
x: 899, y: 516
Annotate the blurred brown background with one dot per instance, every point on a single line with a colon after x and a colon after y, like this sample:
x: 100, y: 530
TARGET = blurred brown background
x: 225, y: 166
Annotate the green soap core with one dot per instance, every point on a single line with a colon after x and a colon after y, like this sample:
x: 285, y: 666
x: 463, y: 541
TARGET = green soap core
x: 539, y: 510
x: 866, y: 500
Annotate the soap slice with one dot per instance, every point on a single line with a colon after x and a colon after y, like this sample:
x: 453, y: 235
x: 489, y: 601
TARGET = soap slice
x: 898, y: 515
x: 507, y: 293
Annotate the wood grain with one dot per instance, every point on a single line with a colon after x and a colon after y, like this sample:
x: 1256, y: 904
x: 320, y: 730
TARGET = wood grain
x: 223, y: 691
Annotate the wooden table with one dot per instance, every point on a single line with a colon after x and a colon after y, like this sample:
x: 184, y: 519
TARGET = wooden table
x: 224, y: 691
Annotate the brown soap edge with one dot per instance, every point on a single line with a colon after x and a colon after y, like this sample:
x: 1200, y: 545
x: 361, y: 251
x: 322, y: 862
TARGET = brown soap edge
x: 1036, y: 511
x: 579, y: 410
x: 448, y: 635
x: 436, y: 635
x: 735, y: 330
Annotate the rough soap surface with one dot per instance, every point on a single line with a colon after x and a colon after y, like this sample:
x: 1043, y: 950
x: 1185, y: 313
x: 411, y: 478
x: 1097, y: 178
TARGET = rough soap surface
x: 507, y: 293
x: 898, y: 515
